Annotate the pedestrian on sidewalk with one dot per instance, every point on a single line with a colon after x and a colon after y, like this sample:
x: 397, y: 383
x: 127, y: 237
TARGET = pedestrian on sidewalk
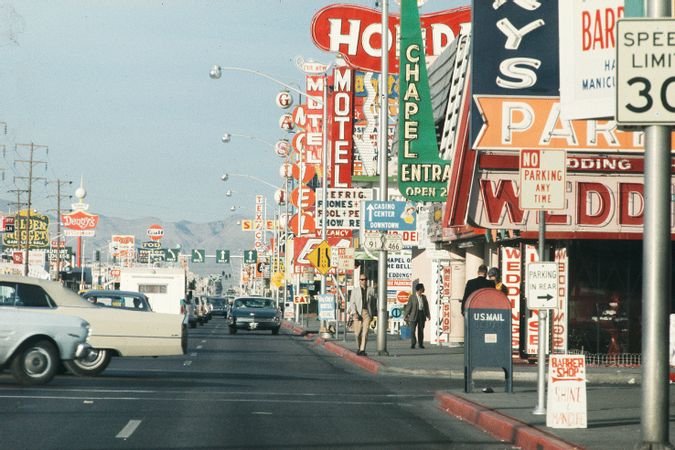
x: 495, y: 276
x: 360, y: 308
x: 416, y: 313
x: 474, y: 284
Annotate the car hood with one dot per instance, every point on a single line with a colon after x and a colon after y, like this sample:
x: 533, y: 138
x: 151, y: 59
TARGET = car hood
x: 260, y: 313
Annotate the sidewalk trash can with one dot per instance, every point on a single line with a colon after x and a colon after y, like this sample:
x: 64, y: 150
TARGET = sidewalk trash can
x: 405, y: 332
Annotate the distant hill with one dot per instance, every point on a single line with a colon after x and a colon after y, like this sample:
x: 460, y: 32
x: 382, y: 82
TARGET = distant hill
x: 189, y: 235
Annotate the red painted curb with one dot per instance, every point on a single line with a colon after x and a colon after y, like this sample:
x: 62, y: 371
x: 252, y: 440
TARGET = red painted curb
x: 672, y: 377
x: 364, y: 362
x: 500, y: 426
x: 337, y: 349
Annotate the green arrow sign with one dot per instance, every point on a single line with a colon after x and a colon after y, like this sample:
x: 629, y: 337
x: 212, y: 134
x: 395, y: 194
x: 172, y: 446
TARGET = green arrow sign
x: 198, y: 255
x: 250, y: 256
x: 171, y: 254
x: 223, y: 256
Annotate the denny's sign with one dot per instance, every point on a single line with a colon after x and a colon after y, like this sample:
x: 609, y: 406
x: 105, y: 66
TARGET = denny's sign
x: 79, y: 223
x: 356, y: 33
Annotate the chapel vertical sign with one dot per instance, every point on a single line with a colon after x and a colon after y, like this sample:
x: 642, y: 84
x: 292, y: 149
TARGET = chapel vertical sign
x: 422, y: 175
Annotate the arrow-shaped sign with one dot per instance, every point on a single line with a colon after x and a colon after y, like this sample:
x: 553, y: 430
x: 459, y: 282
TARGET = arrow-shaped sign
x: 546, y: 297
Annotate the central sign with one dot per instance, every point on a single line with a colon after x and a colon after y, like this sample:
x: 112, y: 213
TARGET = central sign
x: 542, y: 179
x: 320, y: 257
x: 389, y: 215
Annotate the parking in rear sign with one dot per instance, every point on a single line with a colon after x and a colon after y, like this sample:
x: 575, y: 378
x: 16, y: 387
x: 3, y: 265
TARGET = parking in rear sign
x: 542, y: 285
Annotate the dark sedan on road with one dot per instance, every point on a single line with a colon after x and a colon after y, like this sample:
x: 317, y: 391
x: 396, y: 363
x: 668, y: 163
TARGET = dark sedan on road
x: 219, y: 306
x: 254, y: 313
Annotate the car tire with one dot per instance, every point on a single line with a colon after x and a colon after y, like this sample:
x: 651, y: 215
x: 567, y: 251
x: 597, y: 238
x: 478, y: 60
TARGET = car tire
x: 35, y: 363
x: 233, y: 330
x: 91, y: 366
x: 275, y: 331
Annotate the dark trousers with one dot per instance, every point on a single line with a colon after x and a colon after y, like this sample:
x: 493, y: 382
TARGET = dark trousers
x: 419, y: 324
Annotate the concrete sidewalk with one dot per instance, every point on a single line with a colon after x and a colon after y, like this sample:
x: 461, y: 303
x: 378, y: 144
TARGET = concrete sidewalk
x: 613, y: 393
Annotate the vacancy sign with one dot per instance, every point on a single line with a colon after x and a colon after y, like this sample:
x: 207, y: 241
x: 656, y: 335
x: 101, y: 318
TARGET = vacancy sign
x: 566, y: 405
x: 542, y: 179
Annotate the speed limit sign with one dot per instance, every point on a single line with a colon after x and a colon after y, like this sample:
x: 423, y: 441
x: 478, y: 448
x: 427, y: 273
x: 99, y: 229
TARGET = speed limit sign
x: 645, y: 72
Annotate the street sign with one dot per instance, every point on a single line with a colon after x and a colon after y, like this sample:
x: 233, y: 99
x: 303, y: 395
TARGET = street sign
x: 645, y: 85
x: 171, y: 254
x: 222, y: 256
x: 389, y: 215
x: 151, y: 244
x: 319, y: 257
x: 198, y: 255
x: 542, y: 285
x: 393, y: 242
x: 542, y: 179
x: 373, y: 241
x: 250, y: 256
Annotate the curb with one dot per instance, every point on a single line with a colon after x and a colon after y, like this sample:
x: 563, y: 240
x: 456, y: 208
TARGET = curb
x: 500, y: 426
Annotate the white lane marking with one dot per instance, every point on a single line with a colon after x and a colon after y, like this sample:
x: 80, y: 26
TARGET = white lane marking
x: 187, y: 363
x: 202, y: 400
x: 193, y: 354
x: 262, y: 413
x: 199, y: 347
x: 128, y: 429
x: 88, y: 402
x: 203, y: 340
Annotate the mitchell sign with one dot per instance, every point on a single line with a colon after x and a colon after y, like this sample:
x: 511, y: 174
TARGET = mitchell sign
x: 356, y: 33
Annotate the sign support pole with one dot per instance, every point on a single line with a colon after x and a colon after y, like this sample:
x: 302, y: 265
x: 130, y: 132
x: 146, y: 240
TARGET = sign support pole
x: 540, y: 408
x: 382, y: 320
x: 324, y: 189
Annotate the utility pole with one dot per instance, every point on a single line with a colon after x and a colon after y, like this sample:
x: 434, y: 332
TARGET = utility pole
x: 59, y: 239
x: 31, y: 163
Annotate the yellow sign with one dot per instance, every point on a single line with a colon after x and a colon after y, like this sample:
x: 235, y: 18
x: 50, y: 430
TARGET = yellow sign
x: 320, y: 257
x: 246, y: 225
x: 277, y: 279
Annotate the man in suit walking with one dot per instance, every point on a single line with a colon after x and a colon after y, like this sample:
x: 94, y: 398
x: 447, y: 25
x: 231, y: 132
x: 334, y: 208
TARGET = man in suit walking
x: 474, y: 284
x: 416, y: 313
x: 362, y: 307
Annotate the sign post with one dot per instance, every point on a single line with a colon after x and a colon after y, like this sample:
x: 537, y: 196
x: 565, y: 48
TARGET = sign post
x: 645, y: 83
x: 542, y: 188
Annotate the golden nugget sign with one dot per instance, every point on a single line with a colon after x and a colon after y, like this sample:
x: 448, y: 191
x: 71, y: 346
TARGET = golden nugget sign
x: 39, y: 236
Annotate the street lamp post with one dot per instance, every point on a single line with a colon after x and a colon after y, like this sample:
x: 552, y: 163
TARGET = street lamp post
x: 217, y: 71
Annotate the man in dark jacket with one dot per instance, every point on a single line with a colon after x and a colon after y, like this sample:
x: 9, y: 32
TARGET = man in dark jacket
x: 474, y: 284
x: 416, y: 313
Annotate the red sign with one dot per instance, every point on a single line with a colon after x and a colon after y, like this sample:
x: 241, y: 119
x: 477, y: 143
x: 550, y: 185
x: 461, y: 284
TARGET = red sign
x: 303, y: 246
x: 341, y: 130
x: 355, y: 32
x: 402, y: 296
x: 314, y: 127
x: 155, y: 232
x: 307, y: 172
x: 308, y: 198
x: 305, y: 226
x: 79, y: 220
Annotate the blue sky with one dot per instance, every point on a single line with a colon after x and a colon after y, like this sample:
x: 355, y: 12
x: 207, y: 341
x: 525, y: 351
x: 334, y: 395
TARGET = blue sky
x: 119, y: 91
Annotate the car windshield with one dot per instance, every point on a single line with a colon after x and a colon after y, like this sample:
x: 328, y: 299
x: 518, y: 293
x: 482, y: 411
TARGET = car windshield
x: 119, y: 300
x: 253, y: 303
x: 217, y: 301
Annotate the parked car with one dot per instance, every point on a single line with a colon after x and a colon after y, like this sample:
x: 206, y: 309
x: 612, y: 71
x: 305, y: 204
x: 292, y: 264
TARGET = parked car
x: 254, y: 313
x: 220, y: 305
x: 118, y: 299
x: 114, y: 331
x: 32, y: 344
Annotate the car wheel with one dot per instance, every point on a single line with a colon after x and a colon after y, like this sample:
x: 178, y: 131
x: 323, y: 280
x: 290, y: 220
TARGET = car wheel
x: 275, y: 331
x: 35, y: 363
x: 94, y: 364
x: 233, y: 330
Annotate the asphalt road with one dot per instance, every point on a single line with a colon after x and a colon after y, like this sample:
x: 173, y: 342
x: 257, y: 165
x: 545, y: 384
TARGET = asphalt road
x: 249, y: 390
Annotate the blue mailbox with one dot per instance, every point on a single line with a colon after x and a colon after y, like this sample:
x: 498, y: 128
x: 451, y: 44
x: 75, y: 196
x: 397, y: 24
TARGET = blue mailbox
x: 487, y: 335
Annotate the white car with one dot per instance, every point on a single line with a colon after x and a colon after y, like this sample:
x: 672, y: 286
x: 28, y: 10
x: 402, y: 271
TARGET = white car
x: 32, y: 344
x: 115, y: 331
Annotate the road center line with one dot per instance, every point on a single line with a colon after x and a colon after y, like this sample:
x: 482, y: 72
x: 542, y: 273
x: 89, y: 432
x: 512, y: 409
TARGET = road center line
x: 128, y: 429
